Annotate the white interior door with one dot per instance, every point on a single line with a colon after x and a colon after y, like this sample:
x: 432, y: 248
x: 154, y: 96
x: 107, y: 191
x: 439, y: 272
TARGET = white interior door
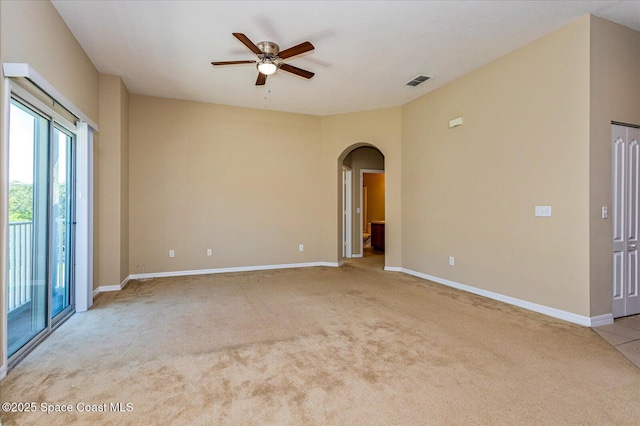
x: 625, y: 156
x: 346, y: 212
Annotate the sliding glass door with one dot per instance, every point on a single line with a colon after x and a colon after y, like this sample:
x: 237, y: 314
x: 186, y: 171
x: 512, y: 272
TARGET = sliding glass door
x: 61, y: 222
x: 40, y: 252
x: 27, y: 290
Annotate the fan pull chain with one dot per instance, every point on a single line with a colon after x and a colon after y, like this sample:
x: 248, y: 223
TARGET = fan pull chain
x: 267, y: 97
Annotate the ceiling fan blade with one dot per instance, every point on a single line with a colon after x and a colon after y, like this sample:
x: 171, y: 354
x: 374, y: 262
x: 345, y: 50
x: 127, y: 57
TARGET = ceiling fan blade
x: 232, y: 62
x: 261, y: 79
x: 296, y: 70
x: 296, y: 50
x: 245, y: 40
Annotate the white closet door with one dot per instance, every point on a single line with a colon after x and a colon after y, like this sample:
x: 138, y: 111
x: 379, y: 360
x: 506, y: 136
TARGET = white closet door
x: 625, y: 219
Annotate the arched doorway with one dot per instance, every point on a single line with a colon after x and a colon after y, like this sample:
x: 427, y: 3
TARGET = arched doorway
x: 361, y: 201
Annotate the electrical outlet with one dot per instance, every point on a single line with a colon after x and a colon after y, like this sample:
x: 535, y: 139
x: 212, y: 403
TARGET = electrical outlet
x: 452, y: 261
x: 209, y: 252
x: 172, y: 253
x: 543, y: 211
x: 301, y: 247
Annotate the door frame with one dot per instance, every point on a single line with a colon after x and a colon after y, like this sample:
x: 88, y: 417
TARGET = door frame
x: 361, y: 183
x: 69, y: 310
x: 347, y: 212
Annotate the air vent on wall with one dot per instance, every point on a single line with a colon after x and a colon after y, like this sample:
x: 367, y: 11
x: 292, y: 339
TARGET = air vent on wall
x: 417, y: 80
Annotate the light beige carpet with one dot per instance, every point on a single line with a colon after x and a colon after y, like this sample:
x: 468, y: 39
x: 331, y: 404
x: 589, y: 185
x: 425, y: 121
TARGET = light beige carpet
x: 349, y: 345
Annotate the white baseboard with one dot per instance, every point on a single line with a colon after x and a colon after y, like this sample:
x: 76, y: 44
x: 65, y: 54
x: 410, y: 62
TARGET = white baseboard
x: 601, y: 320
x: 123, y: 284
x: 227, y: 270
x: 108, y: 288
x: 545, y: 310
x: 3, y: 372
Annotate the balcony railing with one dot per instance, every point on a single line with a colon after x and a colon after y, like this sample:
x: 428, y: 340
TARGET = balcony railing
x: 21, y: 256
x: 20, y: 264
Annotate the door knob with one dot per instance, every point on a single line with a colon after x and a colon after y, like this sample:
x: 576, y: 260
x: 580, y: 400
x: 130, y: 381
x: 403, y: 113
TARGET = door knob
x: 632, y: 246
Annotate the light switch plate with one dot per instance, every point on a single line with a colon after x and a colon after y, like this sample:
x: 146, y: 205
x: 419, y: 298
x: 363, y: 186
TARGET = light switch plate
x: 543, y: 211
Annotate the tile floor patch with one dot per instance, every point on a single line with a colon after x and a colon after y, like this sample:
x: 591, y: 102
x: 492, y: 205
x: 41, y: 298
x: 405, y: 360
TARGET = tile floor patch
x: 612, y: 338
x: 624, y: 335
x: 631, y: 350
x: 621, y: 330
x: 630, y: 322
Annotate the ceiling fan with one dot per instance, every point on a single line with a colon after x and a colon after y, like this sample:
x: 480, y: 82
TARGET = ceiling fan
x: 270, y: 58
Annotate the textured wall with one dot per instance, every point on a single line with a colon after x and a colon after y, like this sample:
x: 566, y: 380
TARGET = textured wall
x: 470, y: 191
x: 242, y: 182
x: 36, y: 34
x: 375, y: 190
x: 111, y: 225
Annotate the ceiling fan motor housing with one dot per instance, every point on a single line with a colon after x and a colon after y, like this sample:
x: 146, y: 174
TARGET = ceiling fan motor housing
x: 269, y: 49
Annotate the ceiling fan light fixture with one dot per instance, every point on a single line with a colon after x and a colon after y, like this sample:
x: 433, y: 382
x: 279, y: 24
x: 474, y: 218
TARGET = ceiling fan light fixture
x: 270, y: 58
x: 267, y: 67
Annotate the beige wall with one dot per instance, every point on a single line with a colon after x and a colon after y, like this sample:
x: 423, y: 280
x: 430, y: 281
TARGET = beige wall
x: 364, y: 157
x: 245, y: 183
x: 375, y: 194
x: 211, y: 176
x: 340, y: 135
x: 615, y: 96
x: 470, y: 191
x: 111, y: 223
x: 124, y: 181
x: 40, y: 38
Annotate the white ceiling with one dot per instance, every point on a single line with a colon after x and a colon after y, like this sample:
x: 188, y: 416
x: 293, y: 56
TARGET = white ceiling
x: 364, y: 50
